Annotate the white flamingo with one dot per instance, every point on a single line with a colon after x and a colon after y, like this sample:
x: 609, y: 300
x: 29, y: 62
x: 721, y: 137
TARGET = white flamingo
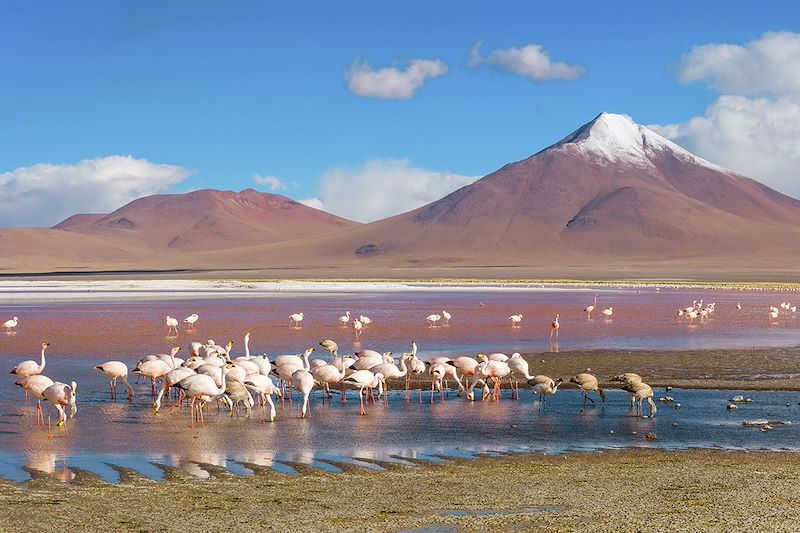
x: 446, y: 317
x: 35, y: 385
x: 590, y: 308
x: 10, y: 324
x: 608, y: 312
x: 296, y: 319
x: 172, y: 324
x: 357, y: 327
x: 116, y: 370
x: 515, y: 320
x: 363, y: 379
x: 191, y: 320
x: 30, y: 367
x: 344, y: 319
x: 365, y: 320
x: 62, y: 395
x: 433, y: 319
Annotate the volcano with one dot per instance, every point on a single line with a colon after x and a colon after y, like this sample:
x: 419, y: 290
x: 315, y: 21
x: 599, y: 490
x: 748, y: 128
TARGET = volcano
x: 612, y: 190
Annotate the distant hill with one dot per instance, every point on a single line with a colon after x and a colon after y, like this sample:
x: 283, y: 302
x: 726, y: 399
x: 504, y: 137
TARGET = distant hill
x: 207, y: 220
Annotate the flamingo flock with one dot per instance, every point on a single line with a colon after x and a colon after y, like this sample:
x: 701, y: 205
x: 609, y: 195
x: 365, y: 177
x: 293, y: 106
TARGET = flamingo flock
x: 212, y: 374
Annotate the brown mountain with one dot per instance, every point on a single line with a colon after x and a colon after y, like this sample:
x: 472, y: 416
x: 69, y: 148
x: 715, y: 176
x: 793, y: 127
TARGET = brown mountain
x: 207, y: 220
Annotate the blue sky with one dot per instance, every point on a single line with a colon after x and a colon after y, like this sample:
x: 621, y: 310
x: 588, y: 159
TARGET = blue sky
x: 231, y: 90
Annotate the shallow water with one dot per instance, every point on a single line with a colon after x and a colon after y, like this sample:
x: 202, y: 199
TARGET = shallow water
x: 83, y: 334
x: 132, y: 436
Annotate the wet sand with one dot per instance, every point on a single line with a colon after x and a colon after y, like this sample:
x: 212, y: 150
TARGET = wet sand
x: 754, y: 369
x: 612, y: 491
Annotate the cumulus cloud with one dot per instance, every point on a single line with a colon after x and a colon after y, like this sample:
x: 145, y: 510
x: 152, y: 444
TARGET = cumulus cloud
x: 383, y: 187
x: 274, y: 184
x: 390, y: 82
x: 45, y: 194
x: 770, y: 64
x: 752, y: 128
x: 316, y: 203
x: 531, y: 61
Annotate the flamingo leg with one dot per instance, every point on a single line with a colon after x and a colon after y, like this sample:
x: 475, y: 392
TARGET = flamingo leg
x: 361, y: 397
x: 344, y: 396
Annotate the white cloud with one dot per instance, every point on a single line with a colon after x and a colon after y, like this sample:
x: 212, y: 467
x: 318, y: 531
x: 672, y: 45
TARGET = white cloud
x: 768, y: 64
x: 754, y: 128
x: 391, y: 82
x: 531, y: 60
x: 384, y: 187
x: 45, y: 194
x: 274, y: 184
x: 316, y: 203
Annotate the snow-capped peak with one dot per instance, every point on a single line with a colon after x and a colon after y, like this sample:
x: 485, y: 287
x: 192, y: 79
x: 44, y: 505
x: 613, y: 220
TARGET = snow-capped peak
x: 617, y: 138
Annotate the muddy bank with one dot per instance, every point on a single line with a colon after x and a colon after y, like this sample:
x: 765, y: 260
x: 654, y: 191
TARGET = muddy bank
x: 631, y: 490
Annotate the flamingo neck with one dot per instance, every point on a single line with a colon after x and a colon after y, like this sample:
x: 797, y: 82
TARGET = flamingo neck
x: 222, y: 383
x: 247, y: 348
x: 41, y: 366
x: 306, y: 364
x: 130, y: 389
x: 403, y: 367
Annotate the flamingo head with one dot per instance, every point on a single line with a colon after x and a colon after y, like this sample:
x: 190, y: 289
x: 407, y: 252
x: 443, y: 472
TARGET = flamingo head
x: 481, y: 358
x: 44, y: 345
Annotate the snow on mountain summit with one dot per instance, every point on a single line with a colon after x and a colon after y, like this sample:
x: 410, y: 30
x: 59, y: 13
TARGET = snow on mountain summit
x: 617, y: 138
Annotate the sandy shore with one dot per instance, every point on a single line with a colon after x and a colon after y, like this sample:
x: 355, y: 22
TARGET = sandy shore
x: 639, y: 490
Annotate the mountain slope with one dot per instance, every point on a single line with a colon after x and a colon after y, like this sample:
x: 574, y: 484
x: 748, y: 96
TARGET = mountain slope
x: 207, y: 220
x: 610, y: 191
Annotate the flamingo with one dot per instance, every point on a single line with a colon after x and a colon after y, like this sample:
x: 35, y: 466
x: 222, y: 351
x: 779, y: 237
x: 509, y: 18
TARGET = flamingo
x: 365, y: 320
x: 773, y: 313
x: 357, y: 327
x: 433, y: 319
x: 363, y: 379
x: 465, y: 365
x: 303, y: 381
x: 344, y: 319
x: 170, y: 379
x: 236, y: 393
x: 30, y: 367
x: 446, y: 317
x: 296, y: 360
x: 329, y: 375
x: 544, y: 386
x: 641, y: 391
x: 10, y: 324
x: 590, y: 308
x: 554, y: 328
x: 487, y: 368
x: 628, y: 379
x: 191, y: 319
x: 296, y: 318
x: 116, y: 370
x: 172, y: 324
x: 250, y: 365
x: 608, y: 312
x: 586, y: 383
x: 438, y: 371
x: 416, y: 367
x: 515, y: 320
x: 201, y: 388
x: 519, y: 368
x: 265, y: 388
x: 62, y: 395
x: 35, y: 385
x: 390, y: 370
x: 330, y: 346
x: 738, y: 306
x: 155, y: 368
